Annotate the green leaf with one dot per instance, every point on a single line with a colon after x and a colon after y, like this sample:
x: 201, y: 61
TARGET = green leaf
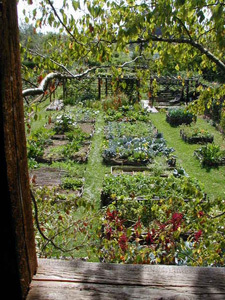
x: 76, y: 4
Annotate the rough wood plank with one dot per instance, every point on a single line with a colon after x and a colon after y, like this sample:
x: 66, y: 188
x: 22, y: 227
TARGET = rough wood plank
x: 71, y: 291
x: 113, y: 281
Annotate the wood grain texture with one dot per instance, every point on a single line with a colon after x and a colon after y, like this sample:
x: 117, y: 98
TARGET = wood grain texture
x: 57, y: 279
x: 18, y: 256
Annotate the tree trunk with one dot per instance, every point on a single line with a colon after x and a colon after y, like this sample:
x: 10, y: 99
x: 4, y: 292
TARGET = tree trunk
x: 18, y: 246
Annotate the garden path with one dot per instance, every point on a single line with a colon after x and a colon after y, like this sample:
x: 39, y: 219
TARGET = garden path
x: 95, y: 170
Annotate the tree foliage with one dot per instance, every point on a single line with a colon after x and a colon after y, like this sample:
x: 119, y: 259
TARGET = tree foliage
x: 177, y: 35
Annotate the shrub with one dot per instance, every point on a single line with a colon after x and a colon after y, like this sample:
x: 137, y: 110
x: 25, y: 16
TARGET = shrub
x: 178, y: 116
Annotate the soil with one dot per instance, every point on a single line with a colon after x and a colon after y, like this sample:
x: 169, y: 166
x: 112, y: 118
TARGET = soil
x: 82, y: 154
x: 87, y: 127
x: 46, y: 176
x: 51, y: 177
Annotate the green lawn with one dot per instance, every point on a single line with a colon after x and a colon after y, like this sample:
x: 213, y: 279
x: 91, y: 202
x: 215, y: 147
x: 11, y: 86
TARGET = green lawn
x: 213, y: 179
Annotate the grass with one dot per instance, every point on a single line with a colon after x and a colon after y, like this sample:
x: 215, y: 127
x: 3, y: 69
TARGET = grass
x: 213, y: 180
x: 95, y: 170
x: 94, y: 174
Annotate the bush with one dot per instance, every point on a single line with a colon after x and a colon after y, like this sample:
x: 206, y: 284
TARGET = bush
x: 178, y: 116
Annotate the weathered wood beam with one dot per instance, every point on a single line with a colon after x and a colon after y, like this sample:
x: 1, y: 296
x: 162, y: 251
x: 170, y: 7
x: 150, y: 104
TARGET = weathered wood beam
x: 18, y: 259
x: 83, y: 280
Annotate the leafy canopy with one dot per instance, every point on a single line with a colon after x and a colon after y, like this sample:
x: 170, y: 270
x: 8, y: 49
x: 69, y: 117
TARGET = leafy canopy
x: 191, y: 33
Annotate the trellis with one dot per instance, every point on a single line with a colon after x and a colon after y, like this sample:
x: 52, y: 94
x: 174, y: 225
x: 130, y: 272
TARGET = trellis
x: 183, y: 88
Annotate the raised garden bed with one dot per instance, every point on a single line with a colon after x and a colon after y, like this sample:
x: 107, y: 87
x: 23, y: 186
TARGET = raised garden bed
x: 57, y: 179
x: 118, y: 170
x: 134, y: 151
x: 134, y: 144
x: 60, y: 140
x: 196, y: 136
x: 127, y: 113
x: 179, y: 116
x: 57, y: 152
x: 146, y: 186
x: 210, y: 155
x: 138, y: 129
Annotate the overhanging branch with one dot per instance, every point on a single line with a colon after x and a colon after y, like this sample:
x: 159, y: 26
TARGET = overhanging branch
x: 55, y: 75
x: 191, y: 42
x: 44, y: 83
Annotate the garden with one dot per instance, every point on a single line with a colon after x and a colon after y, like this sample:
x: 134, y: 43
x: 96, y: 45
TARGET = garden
x: 129, y: 200
x: 112, y: 181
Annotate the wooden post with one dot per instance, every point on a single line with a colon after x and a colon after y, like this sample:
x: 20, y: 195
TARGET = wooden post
x: 187, y: 91
x: 150, y: 95
x: 99, y: 88
x: 64, y: 89
x: 138, y: 89
x: 106, y: 87
x: 18, y: 259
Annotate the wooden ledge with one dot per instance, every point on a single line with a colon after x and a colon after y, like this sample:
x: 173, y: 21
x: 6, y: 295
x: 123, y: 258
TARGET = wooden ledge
x: 59, y: 280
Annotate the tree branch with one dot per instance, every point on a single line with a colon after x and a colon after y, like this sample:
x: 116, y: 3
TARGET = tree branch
x: 191, y: 42
x: 55, y: 62
x: 44, y: 83
x: 184, y: 26
x: 61, y: 22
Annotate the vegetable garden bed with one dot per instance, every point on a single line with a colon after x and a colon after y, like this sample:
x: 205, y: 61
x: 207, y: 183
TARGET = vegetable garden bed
x: 179, y: 116
x: 60, y: 140
x: 211, y: 162
x: 57, y: 178
x: 133, y: 144
x: 58, y: 152
x: 146, y: 186
x: 196, y: 136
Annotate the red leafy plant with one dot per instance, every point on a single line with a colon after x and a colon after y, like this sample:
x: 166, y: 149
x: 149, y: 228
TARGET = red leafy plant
x: 138, y: 244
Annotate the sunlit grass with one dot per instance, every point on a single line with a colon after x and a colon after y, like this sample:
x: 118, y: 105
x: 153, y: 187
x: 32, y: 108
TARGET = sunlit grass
x: 213, y: 179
